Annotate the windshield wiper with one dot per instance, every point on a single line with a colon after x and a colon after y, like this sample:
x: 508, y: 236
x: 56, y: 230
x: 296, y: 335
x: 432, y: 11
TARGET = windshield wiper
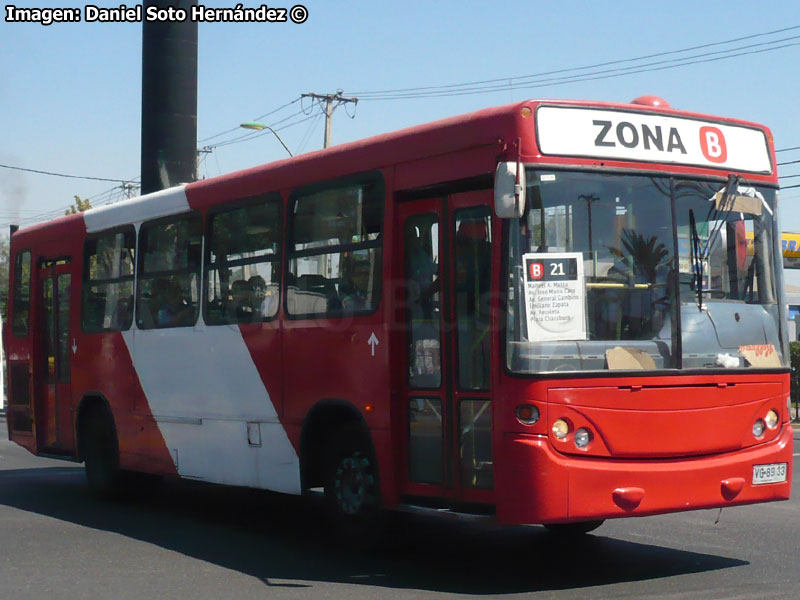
x: 697, y: 260
x: 699, y: 251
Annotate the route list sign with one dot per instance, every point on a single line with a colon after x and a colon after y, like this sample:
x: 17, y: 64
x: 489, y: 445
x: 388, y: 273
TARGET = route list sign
x: 555, y: 296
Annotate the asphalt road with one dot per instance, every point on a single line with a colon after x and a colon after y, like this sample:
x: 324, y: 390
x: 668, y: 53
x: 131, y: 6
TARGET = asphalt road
x: 196, y: 541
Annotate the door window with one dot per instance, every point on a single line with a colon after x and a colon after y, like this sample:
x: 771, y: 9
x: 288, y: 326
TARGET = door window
x: 49, y: 329
x: 473, y: 254
x: 62, y: 340
x: 475, y: 443
x: 425, y: 449
x: 423, y: 301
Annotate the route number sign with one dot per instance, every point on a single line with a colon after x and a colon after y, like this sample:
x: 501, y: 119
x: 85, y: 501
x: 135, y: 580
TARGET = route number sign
x: 555, y: 296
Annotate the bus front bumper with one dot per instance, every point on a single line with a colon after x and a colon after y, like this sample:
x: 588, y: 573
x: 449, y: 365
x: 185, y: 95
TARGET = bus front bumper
x: 536, y: 484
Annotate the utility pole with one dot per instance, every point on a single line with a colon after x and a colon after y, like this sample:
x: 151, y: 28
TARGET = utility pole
x: 200, y: 152
x: 128, y: 189
x: 332, y: 102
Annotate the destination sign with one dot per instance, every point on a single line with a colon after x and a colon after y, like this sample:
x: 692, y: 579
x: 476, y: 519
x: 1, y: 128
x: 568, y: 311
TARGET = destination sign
x: 555, y: 296
x: 630, y: 135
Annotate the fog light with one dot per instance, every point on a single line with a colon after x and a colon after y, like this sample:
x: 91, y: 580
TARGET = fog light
x: 560, y: 429
x: 771, y: 419
x: 582, y: 437
x: 527, y: 414
x: 758, y: 428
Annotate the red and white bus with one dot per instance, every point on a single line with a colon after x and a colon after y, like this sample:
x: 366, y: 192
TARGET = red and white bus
x: 547, y: 312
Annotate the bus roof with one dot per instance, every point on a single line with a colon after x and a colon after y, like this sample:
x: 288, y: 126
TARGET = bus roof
x: 492, y: 129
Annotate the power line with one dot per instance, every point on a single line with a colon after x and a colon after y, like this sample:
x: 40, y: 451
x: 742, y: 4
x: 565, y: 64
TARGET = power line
x: 108, y: 194
x: 62, y: 174
x: 579, y: 79
x: 787, y: 149
x: 254, y: 134
x: 307, y: 136
x: 296, y: 100
x: 106, y: 197
x: 575, y: 79
x: 603, y: 64
x: 531, y: 81
x: 129, y: 184
x: 790, y: 162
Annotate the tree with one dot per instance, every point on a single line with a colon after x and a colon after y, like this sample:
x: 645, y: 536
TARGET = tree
x: 79, y: 206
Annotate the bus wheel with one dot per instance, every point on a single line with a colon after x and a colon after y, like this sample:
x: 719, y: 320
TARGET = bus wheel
x: 101, y: 453
x: 351, y: 489
x: 573, y: 529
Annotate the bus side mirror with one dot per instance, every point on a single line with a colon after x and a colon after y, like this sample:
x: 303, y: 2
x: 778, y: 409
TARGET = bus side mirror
x: 509, y: 196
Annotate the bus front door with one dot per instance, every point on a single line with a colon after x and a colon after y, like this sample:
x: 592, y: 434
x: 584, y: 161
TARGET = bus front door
x: 447, y: 450
x: 53, y: 392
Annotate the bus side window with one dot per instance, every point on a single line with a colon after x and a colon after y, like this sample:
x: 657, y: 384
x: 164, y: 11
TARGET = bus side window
x: 168, y: 293
x: 108, y: 265
x: 22, y: 294
x: 335, y: 262
x: 243, y: 263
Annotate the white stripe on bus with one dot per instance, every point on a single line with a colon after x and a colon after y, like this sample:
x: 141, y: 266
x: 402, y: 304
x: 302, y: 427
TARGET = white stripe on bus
x: 203, y: 382
x: 171, y: 201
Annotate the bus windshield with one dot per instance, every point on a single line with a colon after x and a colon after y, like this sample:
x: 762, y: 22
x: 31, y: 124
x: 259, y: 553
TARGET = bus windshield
x: 635, y: 272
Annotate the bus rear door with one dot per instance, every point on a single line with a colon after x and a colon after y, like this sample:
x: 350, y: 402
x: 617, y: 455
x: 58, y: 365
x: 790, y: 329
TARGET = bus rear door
x: 446, y: 247
x: 52, y: 349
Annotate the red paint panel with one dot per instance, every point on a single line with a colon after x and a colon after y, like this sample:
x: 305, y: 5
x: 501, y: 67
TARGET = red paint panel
x: 263, y: 341
x: 660, y: 398
x: 535, y: 484
x: 103, y: 365
x: 447, y: 167
x: 673, y: 392
x: 665, y: 433
x: 332, y: 359
x: 654, y: 421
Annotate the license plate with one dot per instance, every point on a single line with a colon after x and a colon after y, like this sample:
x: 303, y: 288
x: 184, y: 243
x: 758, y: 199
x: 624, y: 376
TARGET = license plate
x: 774, y: 473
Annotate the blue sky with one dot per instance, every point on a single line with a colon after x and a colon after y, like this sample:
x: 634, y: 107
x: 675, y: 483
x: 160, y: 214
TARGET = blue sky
x: 70, y: 98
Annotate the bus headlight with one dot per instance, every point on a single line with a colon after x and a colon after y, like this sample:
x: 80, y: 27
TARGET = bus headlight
x: 560, y: 429
x: 527, y: 414
x: 771, y: 419
x: 582, y: 438
x: 758, y: 428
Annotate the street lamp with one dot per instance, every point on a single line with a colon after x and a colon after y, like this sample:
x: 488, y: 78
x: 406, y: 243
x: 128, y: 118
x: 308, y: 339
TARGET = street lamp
x: 261, y: 127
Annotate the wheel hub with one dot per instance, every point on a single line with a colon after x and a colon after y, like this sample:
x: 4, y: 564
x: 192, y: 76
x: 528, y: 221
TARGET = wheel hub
x: 353, y: 484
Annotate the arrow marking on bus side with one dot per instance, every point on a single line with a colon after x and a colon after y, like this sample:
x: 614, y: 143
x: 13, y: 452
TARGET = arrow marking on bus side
x: 74, y: 346
x: 373, y: 341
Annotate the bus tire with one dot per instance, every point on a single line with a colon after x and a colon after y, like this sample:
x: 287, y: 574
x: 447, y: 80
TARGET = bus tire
x: 352, y: 493
x: 571, y: 530
x: 101, y: 453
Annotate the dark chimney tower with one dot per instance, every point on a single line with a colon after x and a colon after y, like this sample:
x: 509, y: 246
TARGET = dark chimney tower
x: 169, y: 97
